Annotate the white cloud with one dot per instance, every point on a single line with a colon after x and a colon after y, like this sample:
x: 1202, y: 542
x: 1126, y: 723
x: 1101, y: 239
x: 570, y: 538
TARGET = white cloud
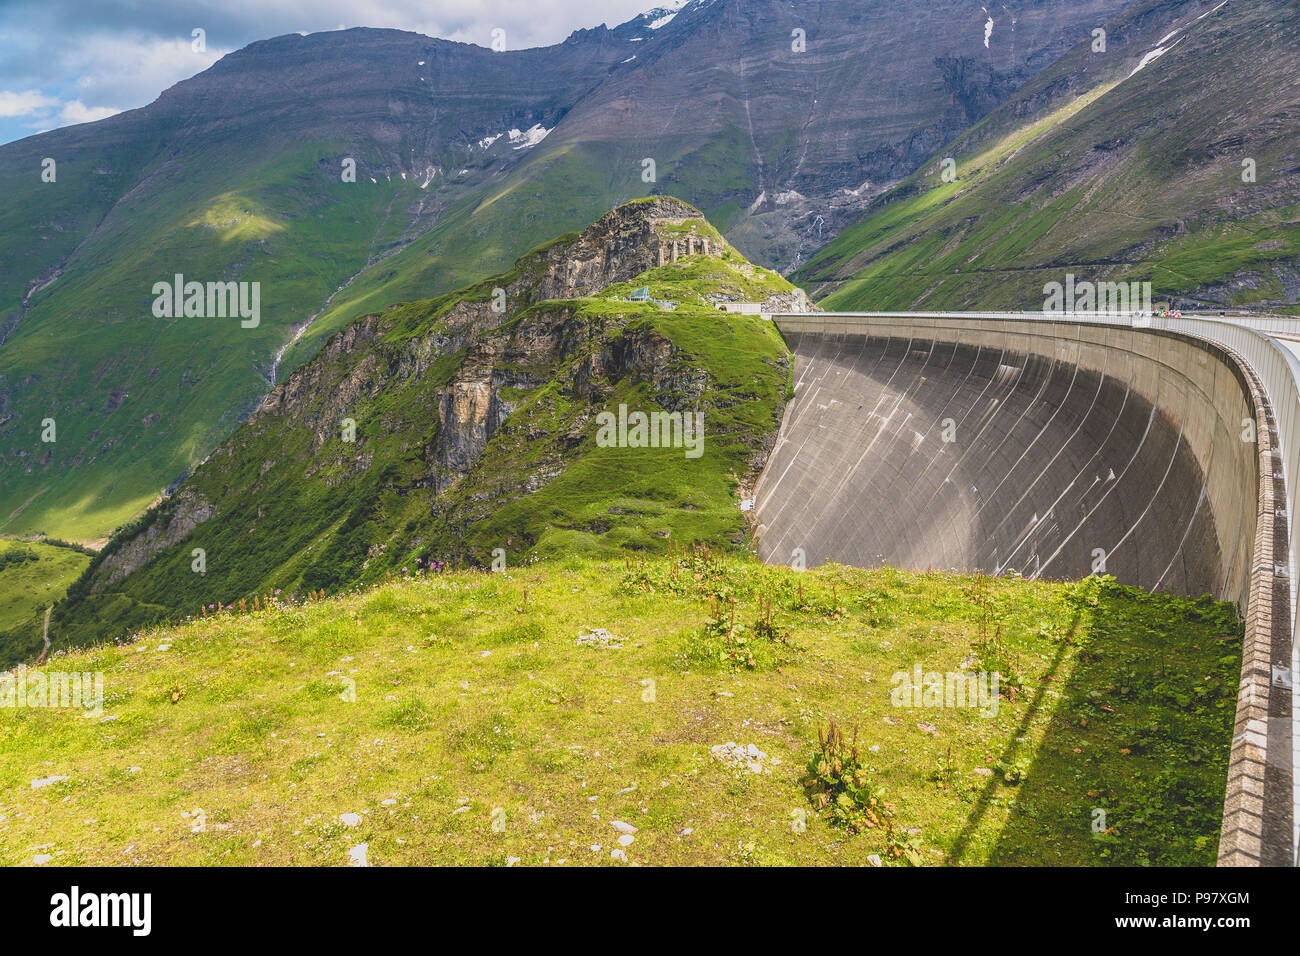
x: 76, y: 111
x: 24, y: 104
x: 127, y: 70
x: 101, y: 74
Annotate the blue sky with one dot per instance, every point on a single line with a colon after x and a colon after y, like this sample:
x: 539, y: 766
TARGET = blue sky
x: 74, y: 61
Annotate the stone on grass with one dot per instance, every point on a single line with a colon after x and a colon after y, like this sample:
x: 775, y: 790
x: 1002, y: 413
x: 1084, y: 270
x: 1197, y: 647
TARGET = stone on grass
x: 748, y: 758
x: 599, y: 637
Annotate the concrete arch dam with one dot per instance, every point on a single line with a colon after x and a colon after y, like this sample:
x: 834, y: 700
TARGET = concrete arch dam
x: 1049, y: 450
x: 1164, y: 455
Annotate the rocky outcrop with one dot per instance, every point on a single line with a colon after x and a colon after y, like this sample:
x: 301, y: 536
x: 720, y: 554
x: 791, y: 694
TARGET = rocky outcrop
x: 184, y: 513
x: 1276, y: 285
x: 788, y: 303
x: 468, y: 417
x: 623, y: 244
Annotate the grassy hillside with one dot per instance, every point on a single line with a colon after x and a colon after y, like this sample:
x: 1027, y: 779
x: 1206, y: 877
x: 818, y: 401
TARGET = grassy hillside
x: 138, y: 400
x: 33, y: 575
x: 475, y: 432
x: 1110, y: 172
x: 460, y: 717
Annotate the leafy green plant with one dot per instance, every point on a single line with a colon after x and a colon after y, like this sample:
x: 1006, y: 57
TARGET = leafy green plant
x: 1012, y: 770
x: 841, y: 788
x: 725, y: 641
x: 700, y: 570
x: 945, y: 770
x: 907, y: 850
x: 994, y: 656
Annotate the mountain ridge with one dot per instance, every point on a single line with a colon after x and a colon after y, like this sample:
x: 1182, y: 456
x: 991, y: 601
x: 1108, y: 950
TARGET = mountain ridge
x: 1088, y: 170
x: 456, y: 427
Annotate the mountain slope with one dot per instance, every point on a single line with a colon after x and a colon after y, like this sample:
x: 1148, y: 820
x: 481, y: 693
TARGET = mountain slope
x: 33, y: 575
x: 233, y: 175
x: 1121, y: 166
x: 779, y: 148
x: 444, y: 430
x: 465, y: 158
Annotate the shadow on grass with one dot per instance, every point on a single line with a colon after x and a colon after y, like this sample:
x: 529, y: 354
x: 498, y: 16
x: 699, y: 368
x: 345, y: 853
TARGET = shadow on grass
x: 1132, y: 768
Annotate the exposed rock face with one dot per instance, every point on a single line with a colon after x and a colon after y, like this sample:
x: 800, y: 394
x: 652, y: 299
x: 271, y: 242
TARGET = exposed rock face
x: 307, y: 387
x: 787, y: 302
x: 1275, y: 286
x: 621, y: 245
x: 185, y: 513
x: 468, y: 417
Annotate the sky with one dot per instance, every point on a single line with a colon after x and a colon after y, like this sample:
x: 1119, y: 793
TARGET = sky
x: 74, y: 61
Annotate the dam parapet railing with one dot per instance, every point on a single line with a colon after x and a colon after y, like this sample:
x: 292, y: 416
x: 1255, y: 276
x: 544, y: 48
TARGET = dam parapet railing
x: 1261, y: 823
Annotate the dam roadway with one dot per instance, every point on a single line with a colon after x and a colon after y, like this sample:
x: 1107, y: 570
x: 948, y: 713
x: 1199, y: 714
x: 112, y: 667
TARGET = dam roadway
x: 1162, y: 451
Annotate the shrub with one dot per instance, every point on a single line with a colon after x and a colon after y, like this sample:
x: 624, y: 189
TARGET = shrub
x: 724, y: 641
x: 841, y: 787
x: 15, y: 556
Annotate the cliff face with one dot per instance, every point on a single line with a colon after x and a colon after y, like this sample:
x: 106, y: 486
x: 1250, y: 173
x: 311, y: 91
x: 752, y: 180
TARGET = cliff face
x: 188, y: 511
x: 496, y: 352
x: 447, y: 428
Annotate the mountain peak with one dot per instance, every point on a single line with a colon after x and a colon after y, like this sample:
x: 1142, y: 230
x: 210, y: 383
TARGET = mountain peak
x: 631, y: 239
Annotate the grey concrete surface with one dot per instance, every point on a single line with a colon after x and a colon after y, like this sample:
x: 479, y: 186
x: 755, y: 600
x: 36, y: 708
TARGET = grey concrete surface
x: 1004, y: 450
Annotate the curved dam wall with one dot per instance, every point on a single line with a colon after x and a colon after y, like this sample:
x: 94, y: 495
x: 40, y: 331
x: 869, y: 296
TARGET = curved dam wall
x: 1048, y: 449
x: 1001, y: 444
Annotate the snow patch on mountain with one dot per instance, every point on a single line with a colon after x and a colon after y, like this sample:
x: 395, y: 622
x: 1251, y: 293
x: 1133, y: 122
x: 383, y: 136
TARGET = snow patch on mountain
x: 660, y: 17
x: 1154, y: 55
x: 530, y: 138
x: 1161, y: 49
